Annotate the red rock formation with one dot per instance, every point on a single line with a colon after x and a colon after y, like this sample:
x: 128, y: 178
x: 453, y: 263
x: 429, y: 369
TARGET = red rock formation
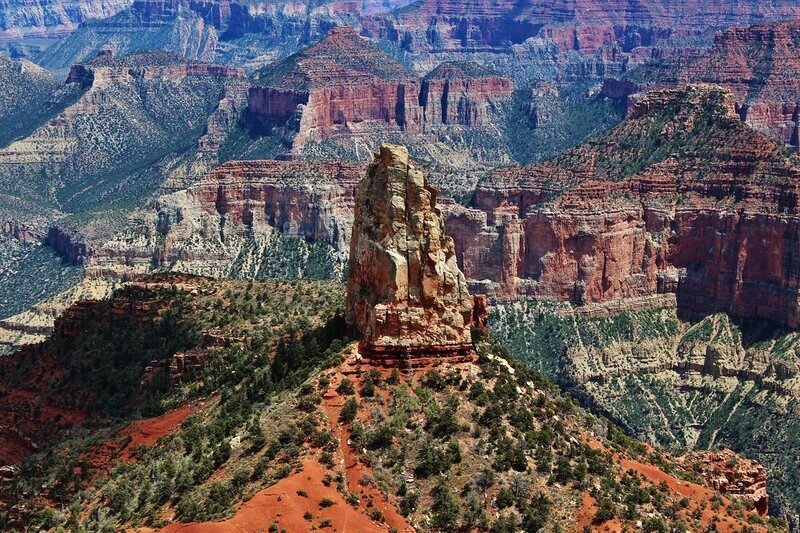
x: 480, y: 311
x: 732, y: 475
x: 405, y: 293
x: 702, y: 206
x: 462, y: 93
x: 579, y: 25
x: 185, y: 361
x: 312, y: 200
x: 758, y: 64
x: 15, y: 230
x: 343, y: 83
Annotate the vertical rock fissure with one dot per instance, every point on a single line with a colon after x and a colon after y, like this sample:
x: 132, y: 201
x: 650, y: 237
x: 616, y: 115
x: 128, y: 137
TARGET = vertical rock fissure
x: 407, y: 178
x: 445, y: 98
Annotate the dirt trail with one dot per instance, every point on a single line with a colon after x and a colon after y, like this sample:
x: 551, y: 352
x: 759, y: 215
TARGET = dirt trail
x: 141, y: 432
x: 354, y: 469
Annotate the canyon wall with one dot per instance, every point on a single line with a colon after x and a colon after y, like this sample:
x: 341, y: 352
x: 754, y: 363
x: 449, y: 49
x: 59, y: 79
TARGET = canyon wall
x: 221, y: 225
x: 341, y: 84
x: 344, y: 85
x: 51, y: 18
x: 462, y: 93
x: 718, y: 225
x: 681, y: 199
x: 116, y: 117
x: 758, y: 64
x: 586, y: 27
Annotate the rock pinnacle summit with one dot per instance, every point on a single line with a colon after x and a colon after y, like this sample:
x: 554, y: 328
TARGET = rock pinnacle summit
x: 406, y: 296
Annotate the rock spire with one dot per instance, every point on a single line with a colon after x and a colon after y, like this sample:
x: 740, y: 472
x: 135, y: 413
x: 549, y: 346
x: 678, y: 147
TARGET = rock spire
x: 405, y: 294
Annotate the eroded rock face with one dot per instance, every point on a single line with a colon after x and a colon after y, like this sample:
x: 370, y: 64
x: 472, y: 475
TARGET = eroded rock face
x: 51, y: 18
x: 758, y: 64
x: 733, y: 475
x: 462, y: 93
x: 583, y: 26
x: 405, y: 293
x: 340, y: 84
x: 344, y: 85
x: 623, y: 216
x: 235, y: 211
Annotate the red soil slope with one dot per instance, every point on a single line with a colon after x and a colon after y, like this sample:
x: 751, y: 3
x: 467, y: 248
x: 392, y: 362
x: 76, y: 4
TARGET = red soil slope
x: 281, y: 504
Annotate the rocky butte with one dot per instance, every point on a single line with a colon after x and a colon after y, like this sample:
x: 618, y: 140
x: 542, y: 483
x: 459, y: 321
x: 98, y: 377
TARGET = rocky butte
x: 345, y: 85
x: 406, y: 296
x: 758, y: 64
x: 340, y: 84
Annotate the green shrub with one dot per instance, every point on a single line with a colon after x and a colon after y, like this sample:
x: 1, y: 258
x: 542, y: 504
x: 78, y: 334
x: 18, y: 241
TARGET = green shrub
x: 325, y: 503
x: 349, y: 410
x: 446, y: 511
x: 605, y: 512
x: 346, y: 387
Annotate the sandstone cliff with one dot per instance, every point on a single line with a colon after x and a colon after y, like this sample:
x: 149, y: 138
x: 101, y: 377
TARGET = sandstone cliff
x: 346, y: 86
x: 225, y: 224
x: 758, y: 64
x: 462, y: 93
x: 681, y: 198
x: 342, y: 84
x: 405, y: 293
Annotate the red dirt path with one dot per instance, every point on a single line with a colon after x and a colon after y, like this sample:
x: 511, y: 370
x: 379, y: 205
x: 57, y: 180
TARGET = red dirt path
x: 141, y: 432
x: 281, y: 504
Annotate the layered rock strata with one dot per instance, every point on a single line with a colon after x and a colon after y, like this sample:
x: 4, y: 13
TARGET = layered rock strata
x: 346, y: 85
x: 51, y: 18
x: 681, y: 198
x: 466, y: 26
x: 129, y: 113
x: 758, y: 64
x: 341, y: 83
x: 462, y: 93
x: 207, y: 227
x: 207, y: 30
x: 406, y: 296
